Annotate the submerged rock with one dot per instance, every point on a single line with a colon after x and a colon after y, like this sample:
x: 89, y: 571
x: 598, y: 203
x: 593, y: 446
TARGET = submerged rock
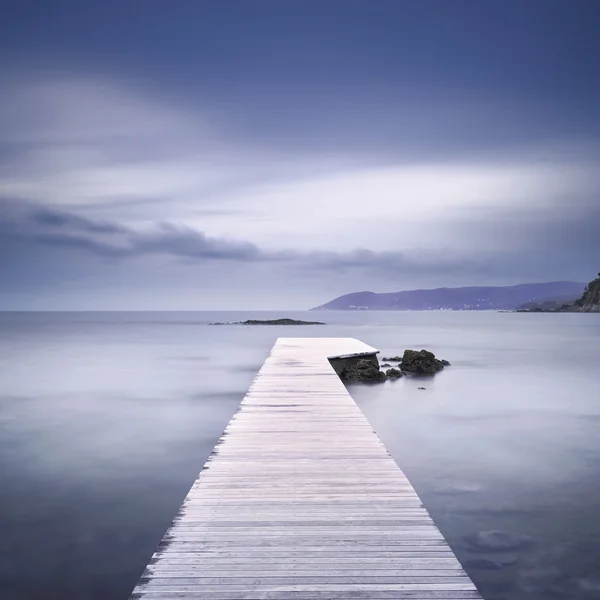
x: 363, y: 370
x: 457, y: 487
x: 393, y: 373
x: 385, y: 365
x: 497, y: 541
x: 392, y: 358
x: 421, y: 362
x: 488, y: 564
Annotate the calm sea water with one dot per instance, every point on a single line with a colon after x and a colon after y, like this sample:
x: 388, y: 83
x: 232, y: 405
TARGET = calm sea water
x: 107, y: 418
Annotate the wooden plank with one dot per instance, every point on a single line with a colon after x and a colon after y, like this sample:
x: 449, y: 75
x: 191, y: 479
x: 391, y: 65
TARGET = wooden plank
x: 276, y: 594
x: 300, y: 499
x: 313, y: 563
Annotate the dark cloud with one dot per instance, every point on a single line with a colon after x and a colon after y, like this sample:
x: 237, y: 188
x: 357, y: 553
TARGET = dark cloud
x: 62, y: 221
x: 55, y: 259
x: 51, y: 227
x: 60, y: 228
x: 545, y: 244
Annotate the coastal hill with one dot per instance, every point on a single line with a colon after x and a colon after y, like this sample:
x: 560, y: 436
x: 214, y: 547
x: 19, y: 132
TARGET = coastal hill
x: 590, y: 300
x: 460, y: 298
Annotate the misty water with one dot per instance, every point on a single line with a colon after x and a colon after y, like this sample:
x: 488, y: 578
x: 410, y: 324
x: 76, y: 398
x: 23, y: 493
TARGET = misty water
x: 107, y: 418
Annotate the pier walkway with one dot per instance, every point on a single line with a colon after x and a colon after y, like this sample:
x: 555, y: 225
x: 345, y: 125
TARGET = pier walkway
x: 301, y: 500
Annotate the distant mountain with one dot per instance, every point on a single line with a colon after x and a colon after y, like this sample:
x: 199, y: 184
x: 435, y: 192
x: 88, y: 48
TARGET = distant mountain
x: 461, y: 298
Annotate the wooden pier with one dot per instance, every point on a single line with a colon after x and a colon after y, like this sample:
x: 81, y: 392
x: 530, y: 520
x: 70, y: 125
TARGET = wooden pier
x: 301, y: 500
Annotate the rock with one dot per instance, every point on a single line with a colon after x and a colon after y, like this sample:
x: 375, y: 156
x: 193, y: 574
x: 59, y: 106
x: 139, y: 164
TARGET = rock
x: 271, y: 322
x: 421, y: 362
x: 445, y: 363
x: 497, y: 541
x: 590, y: 301
x: 386, y: 365
x: 392, y: 359
x: 279, y: 322
x: 421, y: 388
x: 393, y: 373
x: 363, y: 370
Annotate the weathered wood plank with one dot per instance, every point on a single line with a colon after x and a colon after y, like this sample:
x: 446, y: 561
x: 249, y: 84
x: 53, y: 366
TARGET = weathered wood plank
x: 276, y: 594
x: 305, y: 563
x: 224, y: 586
x: 301, y: 500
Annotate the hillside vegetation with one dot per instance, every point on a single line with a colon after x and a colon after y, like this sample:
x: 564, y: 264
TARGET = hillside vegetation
x: 590, y: 301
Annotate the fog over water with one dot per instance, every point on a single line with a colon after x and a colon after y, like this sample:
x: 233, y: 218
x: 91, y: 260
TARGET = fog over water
x: 107, y: 418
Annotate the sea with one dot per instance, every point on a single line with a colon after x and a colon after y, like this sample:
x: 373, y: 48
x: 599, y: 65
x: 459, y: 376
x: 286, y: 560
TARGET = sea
x: 106, y: 419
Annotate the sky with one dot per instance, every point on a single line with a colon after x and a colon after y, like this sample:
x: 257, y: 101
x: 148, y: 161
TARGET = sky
x: 265, y: 154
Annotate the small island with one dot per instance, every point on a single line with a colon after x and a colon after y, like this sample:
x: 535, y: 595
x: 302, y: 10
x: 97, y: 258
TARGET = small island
x: 271, y: 322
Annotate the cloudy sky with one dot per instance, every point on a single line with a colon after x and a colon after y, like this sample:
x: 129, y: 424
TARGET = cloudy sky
x: 194, y: 154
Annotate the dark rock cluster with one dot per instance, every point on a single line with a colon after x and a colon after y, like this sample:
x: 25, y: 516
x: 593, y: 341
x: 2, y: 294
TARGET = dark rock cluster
x: 413, y: 362
x: 421, y: 362
x: 363, y: 370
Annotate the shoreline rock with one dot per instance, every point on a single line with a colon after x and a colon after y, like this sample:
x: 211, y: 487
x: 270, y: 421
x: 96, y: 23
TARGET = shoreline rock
x: 413, y: 362
x: 394, y: 374
x: 363, y: 371
x: 421, y: 362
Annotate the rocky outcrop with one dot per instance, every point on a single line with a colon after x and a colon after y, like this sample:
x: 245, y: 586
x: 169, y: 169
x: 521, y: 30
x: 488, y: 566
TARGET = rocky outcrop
x: 271, y: 322
x: 363, y: 371
x: 367, y: 369
x: 590, y: 300
x: 421, y: 362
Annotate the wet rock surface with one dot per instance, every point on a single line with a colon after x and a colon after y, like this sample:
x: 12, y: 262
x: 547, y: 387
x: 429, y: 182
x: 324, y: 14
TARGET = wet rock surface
x: 363, y: 371
x: 393, y: 373
x: 421, y: 362
x: 413, y: 362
